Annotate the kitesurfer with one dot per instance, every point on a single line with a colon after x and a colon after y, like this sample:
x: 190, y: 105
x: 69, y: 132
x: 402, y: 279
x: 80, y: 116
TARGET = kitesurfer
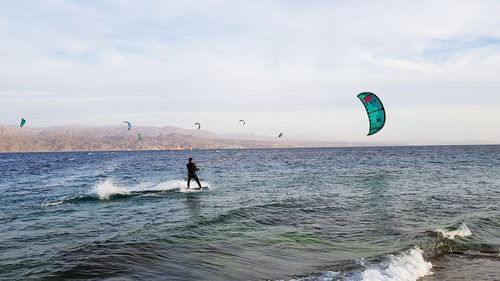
x: 192, y: 169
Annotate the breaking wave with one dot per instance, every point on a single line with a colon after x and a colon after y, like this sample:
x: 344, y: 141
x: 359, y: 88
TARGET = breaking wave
x: 407, y: 266
x: 450, y: 233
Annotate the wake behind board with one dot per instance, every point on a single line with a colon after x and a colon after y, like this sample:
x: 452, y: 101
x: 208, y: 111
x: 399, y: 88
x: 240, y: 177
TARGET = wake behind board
x: 160, y: 191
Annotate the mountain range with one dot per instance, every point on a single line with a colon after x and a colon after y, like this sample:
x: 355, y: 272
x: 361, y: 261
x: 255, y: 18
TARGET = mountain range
x: 116, y: 138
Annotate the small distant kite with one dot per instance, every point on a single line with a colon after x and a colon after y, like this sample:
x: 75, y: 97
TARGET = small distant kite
x: 23, y: 122
x: 198, y: 124
x: 129, y: 126
x: 280, y: 135
x: 139, y: 137
x: 243, y: 121
x: 375, y: 111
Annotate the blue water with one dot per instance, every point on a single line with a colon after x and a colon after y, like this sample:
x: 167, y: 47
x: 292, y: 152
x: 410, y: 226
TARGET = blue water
x: 388, y: 213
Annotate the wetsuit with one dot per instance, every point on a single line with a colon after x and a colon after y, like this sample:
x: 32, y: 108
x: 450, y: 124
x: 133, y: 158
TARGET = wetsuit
x: 191, y: 167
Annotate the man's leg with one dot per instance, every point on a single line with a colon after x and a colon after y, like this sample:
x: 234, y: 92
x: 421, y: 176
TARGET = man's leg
x: 198, y: 181
x: 189, y: 180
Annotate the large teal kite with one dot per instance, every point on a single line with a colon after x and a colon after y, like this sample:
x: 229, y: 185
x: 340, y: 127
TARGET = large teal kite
x: 375, y: 110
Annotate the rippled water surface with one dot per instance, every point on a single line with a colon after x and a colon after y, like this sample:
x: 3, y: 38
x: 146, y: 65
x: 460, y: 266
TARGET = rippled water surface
x: 392, y: 213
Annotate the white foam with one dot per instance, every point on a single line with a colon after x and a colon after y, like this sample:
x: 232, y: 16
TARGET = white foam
x: 193, y: 186
x: 407, y: 267
x: 107, y: 188
x: 170, y: 185
x: 461, y: 231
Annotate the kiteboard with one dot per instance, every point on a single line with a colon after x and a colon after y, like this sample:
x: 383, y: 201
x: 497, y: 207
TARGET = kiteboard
x: 202, y: 188
x: 147, y: 191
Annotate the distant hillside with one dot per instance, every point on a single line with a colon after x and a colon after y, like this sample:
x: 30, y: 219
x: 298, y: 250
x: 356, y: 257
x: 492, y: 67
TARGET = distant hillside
x: 80, y: 138
x: 107, y: 138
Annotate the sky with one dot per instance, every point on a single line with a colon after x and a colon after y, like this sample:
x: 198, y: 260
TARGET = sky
x: 291, y: 66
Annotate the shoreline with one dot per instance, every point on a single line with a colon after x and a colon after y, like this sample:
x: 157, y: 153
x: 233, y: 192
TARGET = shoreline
x: 252, y: 148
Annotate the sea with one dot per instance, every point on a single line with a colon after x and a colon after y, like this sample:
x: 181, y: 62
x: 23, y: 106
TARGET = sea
x: 361, y: 213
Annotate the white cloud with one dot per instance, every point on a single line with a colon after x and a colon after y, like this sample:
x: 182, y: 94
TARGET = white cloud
x: 171, y: 62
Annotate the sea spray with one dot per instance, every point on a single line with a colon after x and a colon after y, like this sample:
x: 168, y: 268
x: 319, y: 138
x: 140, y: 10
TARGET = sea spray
x: 107, y: 188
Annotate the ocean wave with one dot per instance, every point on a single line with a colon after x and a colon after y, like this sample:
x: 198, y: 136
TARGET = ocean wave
x: 55, y: 203
x: 450, y: 233
x: 70, y: 200
x: 407, y: 266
